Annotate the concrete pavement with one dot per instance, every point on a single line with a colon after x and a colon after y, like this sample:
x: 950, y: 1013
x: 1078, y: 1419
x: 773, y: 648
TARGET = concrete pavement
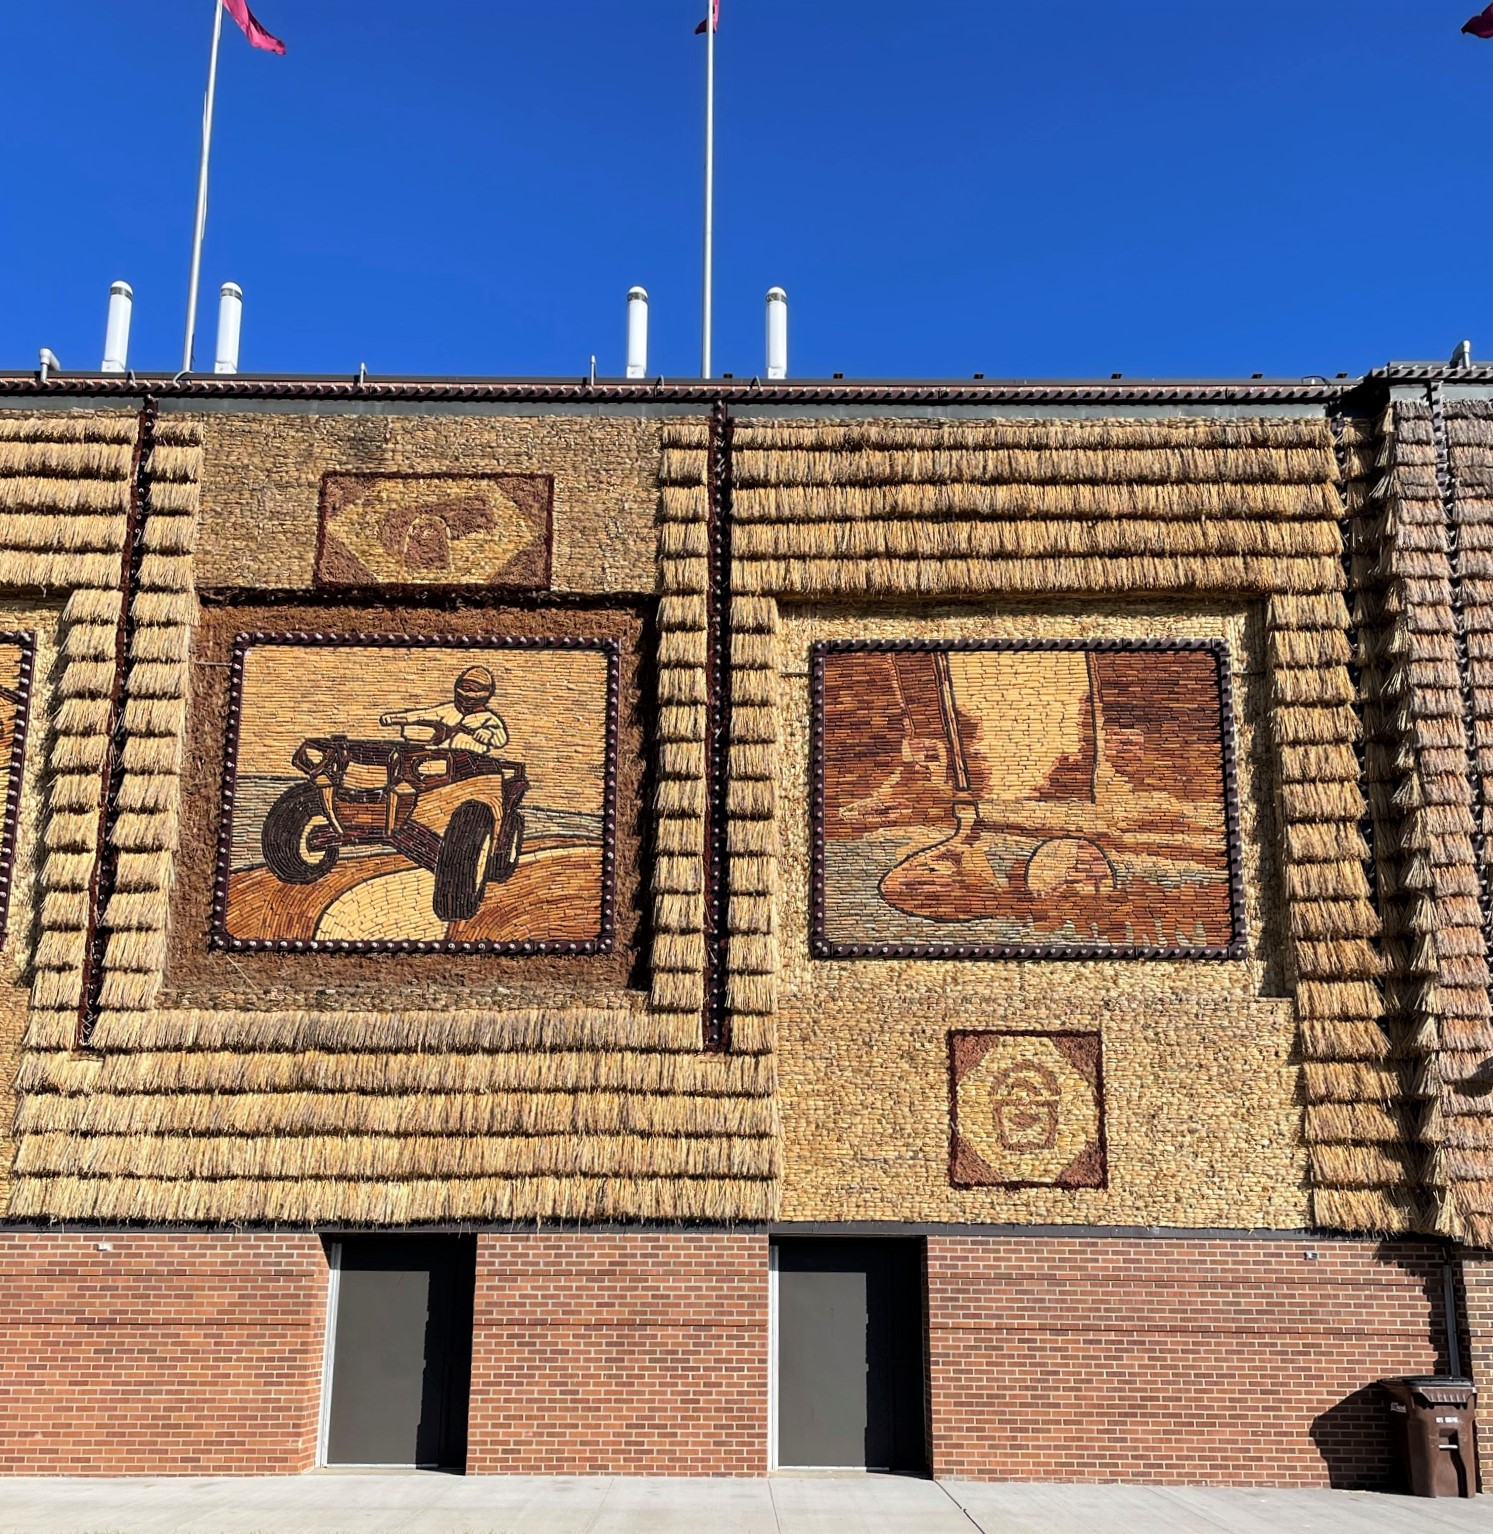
x: 402, y: 1503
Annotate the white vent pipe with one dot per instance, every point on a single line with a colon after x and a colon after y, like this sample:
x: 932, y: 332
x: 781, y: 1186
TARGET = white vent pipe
x: 230, y: 321
x: 117, y: 331
x: 637, y: 332
x: 777, y: 333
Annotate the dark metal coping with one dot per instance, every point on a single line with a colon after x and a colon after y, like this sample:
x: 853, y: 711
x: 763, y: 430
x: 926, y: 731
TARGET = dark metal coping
x: 701, y: 392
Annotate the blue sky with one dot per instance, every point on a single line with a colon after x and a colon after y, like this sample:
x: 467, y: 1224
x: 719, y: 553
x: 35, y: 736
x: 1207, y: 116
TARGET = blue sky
x: 1025, y: 188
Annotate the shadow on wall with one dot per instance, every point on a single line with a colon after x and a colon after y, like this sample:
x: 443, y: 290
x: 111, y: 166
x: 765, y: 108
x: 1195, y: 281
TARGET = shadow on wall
x: 1353, y: 1436
x: 1353, y: 1440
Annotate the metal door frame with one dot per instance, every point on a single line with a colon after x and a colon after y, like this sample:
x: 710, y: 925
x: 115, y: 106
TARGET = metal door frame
x: 772, y: 1354
x: 775, y: 1246
x: 919, y: 1244
x: 329, y: 1347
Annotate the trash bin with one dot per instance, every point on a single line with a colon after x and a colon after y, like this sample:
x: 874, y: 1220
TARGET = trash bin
x: 1433, y: 1425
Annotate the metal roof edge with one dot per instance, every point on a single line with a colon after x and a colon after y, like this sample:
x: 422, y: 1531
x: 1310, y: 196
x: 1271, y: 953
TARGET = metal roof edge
x: 1430, y: 372
x: 680, y: 391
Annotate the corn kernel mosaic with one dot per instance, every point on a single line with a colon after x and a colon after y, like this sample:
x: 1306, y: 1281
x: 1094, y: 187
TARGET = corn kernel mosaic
x: 419, y: 794
x: 435, y: 529
x: 1026, y: 1109
x: 999, y: 798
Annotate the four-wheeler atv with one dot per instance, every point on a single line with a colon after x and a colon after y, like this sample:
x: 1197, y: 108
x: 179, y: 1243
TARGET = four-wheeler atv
x: 452, y: 811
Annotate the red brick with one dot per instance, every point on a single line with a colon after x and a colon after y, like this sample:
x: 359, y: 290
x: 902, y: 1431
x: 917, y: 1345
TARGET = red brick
x: 1221, y: 1361
x: 600, y: 1354
x: 171, y: 1354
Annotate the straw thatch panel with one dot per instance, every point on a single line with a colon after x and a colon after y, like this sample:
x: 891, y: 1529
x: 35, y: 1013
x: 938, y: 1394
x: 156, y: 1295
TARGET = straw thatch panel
x: 1093, y: 511
x: 1467, y: 1045
x: 563, y: 1112
x: 442, y: 1116
x: 1390, y: 488
x: 65, y: 486
x: 615, y: 1111
x: 1420, y: 495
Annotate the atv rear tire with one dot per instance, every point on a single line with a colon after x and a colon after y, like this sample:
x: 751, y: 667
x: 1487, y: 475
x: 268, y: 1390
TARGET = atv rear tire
x: 291, y: 819
x: 461, y: 867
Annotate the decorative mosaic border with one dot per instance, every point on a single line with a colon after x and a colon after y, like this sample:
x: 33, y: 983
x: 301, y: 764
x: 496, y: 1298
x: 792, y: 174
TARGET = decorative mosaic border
x: 342, y: 588
x: 1101, y: 1137
x: 15, y: 778
x: 221, y: 938
x: 821, y: 947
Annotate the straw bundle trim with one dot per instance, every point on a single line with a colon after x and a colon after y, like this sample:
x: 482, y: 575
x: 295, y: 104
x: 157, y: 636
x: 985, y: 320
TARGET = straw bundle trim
x: 1355, y: 1123
x: 89, y: 500
x: 88, y: 429
x: 1387, y: 1211
x: 851, y: 536
x: 1131, y: 507
x: 692, y: 433
x: 397, y: 1157
x: 462, y: 1115
x: 1350, y: 1081
x: 1354, y: 959
x: 56, y: 570
x: 1355, y: 1166
x: 935, y: 577
x: 208, y: 1070
x: 858, y: 437
x: 302, y: 1201
x: 56, y: 529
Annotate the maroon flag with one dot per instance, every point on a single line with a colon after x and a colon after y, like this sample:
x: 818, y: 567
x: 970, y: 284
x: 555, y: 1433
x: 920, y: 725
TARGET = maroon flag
x: 239, y: 10
x: 1481, y: 25
x: 714, y: 22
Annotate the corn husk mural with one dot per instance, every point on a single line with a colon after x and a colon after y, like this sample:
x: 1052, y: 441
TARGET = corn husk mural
x: 378, y: 795
x: 993, y: 796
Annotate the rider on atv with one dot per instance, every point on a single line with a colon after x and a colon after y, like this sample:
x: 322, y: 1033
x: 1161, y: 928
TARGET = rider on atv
x: 466, y: 723
x: 442, y: 797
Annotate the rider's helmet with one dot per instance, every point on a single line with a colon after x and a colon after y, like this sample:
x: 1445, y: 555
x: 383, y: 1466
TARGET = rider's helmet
x: 474, y: 689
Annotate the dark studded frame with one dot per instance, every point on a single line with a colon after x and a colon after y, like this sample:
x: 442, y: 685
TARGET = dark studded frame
x: 822, y: 948
x: 220, y: 938
x: 16, y: 774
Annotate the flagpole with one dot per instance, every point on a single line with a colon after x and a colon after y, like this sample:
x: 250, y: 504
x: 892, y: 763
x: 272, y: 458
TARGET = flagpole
x: 710, y: 16
x: 201, y: 226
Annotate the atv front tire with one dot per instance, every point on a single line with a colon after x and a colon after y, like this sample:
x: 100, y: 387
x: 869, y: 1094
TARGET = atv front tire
x: 461, y: 867
x: 283, y: 839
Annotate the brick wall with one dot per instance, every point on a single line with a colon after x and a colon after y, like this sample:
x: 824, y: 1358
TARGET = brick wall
x: 171, y: 1354
x: 1477, y: 1361
x: 1211, y: 1360
x: 1240, y: 1362
x: 1477, y: 1284
x: 641, y: 1354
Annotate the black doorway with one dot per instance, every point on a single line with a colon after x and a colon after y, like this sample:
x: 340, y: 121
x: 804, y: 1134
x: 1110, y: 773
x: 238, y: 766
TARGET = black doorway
x: 849, y: 1366
x: 400, y: 1352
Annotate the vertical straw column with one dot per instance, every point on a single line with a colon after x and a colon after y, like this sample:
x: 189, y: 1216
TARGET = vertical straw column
x: 142, y: 832
x: 678, y: 983
x: 752, y: 825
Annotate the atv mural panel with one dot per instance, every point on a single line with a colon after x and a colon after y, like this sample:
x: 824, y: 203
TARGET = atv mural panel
x: 452, y: 793
x: 1024, y: 798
